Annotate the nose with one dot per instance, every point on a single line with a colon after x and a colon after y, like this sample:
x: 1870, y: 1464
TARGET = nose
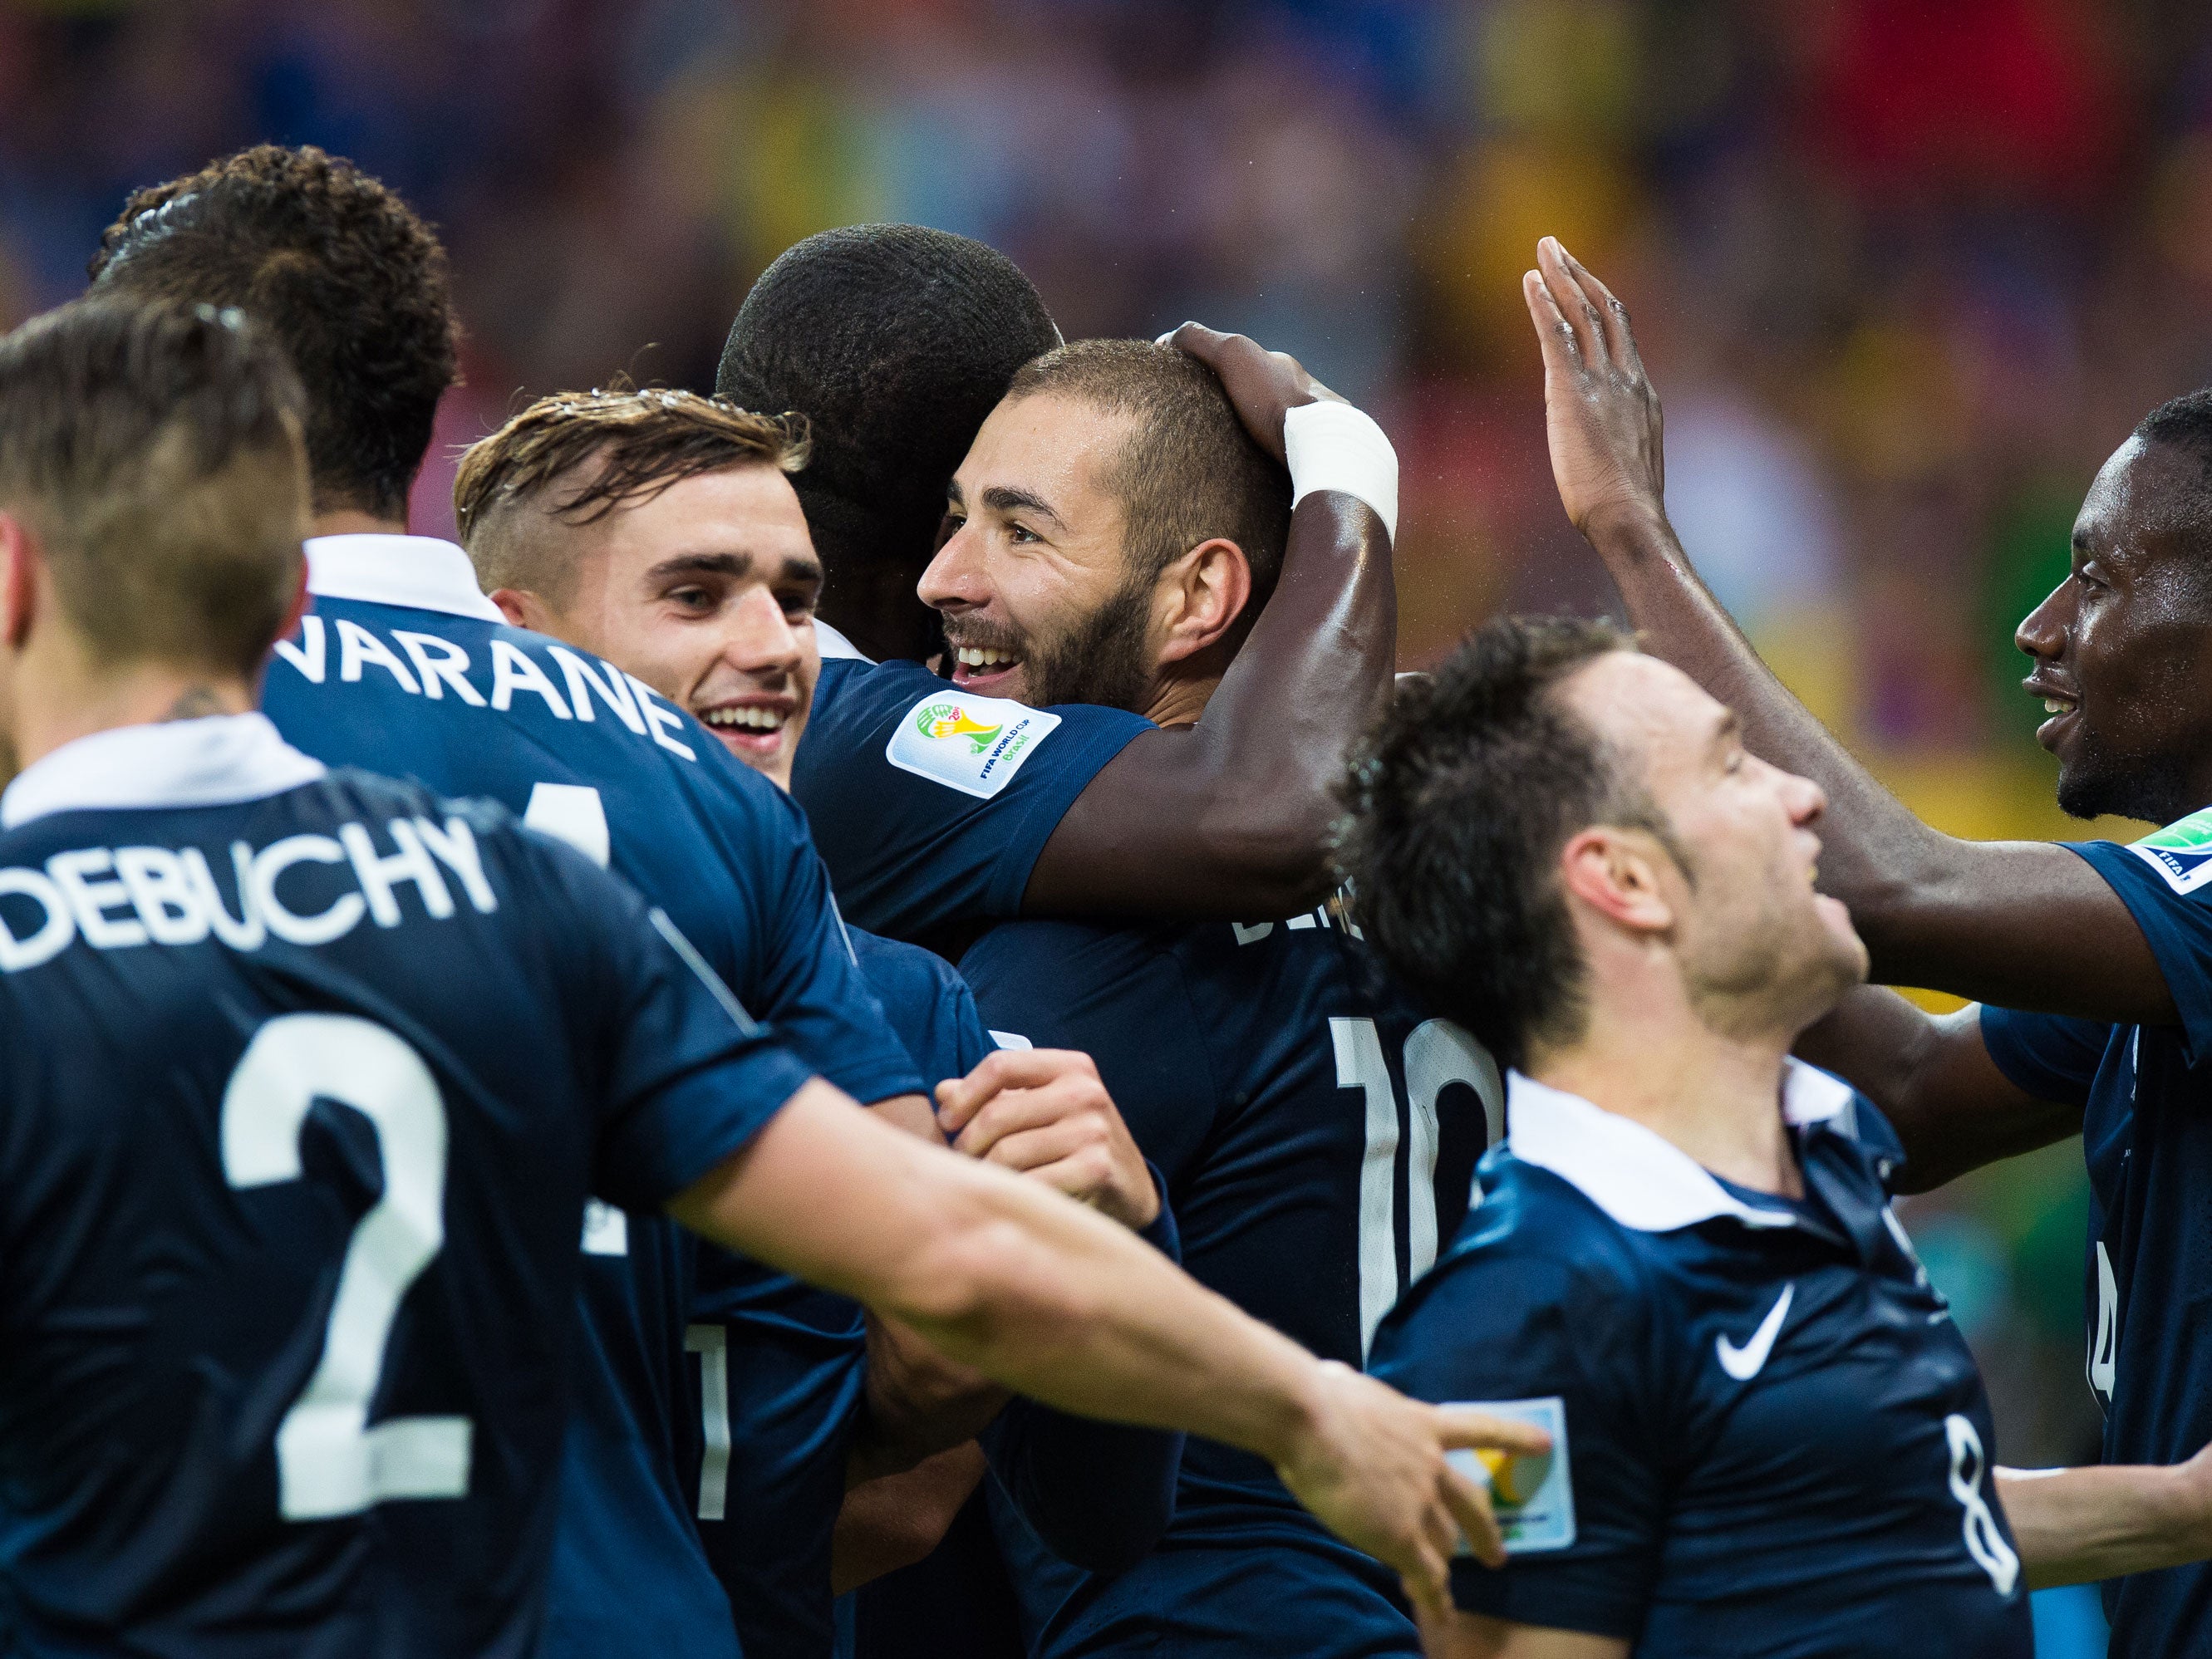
x: 2042, y: 632
x: 763, y: 641
x: 954, y: 581
x: 1805, y: 799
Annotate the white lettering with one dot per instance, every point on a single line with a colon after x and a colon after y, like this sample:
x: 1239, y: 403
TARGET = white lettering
x: 380, y: 876
x: 583, y: 679
x: 249, y: 931
x: 52, y: 935
x: 455, y: 847
x: 357, y: 646
x: 273, y: 860
x: 511, y: 672
x: 309, y: 662
x: 91, y: 899
x: 162, y: 894
x: 663, y: 721
x: 572, y: 812
x: 450, y: 665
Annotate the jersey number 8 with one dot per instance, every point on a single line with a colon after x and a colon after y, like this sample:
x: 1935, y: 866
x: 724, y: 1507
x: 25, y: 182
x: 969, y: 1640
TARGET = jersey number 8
x: 329, y: 1461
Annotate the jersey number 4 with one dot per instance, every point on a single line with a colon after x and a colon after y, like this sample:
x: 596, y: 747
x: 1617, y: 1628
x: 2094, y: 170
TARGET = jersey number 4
x: 1437, y: 1055
x: 329, y: 1461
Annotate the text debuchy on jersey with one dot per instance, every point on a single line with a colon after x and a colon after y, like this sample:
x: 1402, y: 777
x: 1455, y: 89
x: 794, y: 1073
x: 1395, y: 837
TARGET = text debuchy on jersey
x: 307, y: 1077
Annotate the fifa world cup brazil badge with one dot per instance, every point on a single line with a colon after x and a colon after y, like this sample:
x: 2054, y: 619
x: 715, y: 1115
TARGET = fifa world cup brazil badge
x: 974, y: 744
x: 1533, y: 1495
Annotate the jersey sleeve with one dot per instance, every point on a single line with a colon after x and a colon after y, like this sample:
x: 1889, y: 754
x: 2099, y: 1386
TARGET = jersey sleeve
x: 930, y: 806
x: 810, y: 986
x: 2051, y: 1056
x: 2166, y: 881
x: 686, y: 1076
x: 1498, y: 1324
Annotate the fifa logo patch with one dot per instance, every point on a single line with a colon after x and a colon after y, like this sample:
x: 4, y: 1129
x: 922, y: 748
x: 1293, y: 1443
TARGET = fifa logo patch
x: 974, y: 744
x: 1533, y: 1496
x: 2182, y: 852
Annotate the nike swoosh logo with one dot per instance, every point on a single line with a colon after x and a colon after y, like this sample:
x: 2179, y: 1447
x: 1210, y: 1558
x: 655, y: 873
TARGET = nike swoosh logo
x: 1743, y: 1364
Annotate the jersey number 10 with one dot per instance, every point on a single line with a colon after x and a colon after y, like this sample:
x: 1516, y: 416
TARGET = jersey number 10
x: 1437, y: 1055
x: 329, y: 1461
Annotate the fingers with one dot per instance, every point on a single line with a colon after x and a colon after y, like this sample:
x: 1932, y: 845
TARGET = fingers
x: 1427, y: 1581
x: 1469, y: 1505
x: 958, y: 1099
x: 1465, y: 1429
x: 1562, y: 355
x: 1613, y: 315
x: 1209, y: 345
x: 1032, y: 1145
x: 1575, y: 307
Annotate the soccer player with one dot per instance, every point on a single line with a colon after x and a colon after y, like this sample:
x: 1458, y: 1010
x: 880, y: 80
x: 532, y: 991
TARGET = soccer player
x: 2091, y: 958
x: 237, y: 1027
x: 1769, y: 1436
x: 936, y: 809
x: 404, y: 666
x: 1116, y: 522
x: 659, y: 531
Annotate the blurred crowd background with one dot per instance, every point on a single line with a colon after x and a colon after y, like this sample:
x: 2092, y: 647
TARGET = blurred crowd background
x: 1905, y: 271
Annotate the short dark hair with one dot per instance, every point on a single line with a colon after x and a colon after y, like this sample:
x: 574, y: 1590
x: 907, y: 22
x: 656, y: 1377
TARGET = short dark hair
x: 340, y: 269
x: 155, y: 452
x: 894, y: 342
x: 635, y: 443
x: 1461, y: 801
x: 1190, y: 471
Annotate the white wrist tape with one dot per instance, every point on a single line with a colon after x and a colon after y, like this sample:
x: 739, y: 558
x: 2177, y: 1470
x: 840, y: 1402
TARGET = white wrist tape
x: 1333, y: 446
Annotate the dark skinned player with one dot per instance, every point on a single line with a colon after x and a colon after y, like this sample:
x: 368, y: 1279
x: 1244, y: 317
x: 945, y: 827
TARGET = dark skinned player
x: 2091, y: 963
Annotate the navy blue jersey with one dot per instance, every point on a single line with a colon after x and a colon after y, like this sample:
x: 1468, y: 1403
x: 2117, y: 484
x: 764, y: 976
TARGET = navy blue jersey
x: 402, y: 666
x: 308, y: 1075
x: 772, y: 1474
x: 930, y: 806
x: 1318, y: 1137
x: 2147, y: 1134
x: 1770, y: 1437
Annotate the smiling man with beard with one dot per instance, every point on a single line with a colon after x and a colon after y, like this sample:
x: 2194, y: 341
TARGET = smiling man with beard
x: 1114, y: 533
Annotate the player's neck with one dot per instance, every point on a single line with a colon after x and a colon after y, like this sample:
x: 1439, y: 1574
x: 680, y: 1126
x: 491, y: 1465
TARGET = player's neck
x: 1180, y: 699
x: 1715, y: 1097
x: 60, y: 696
x: 352, y: 521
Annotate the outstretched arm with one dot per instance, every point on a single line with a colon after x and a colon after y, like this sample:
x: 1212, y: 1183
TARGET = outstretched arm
x: 1978, y: 919
x: 1230, y: 818
x: 1058, y: 1302
x: 2079, y: 1525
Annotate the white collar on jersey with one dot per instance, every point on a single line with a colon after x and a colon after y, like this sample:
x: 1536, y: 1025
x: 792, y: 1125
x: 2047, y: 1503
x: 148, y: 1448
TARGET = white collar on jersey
x: 202, y: 762
x: 418, y: 571
x: 1636, y: 1176
x: 835, y: 646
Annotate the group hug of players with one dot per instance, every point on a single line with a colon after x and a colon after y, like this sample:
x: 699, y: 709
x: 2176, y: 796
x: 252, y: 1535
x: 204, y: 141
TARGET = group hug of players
x: 466, y: 1189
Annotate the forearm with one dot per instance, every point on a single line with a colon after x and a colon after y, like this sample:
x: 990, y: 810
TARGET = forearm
x: 1231, y: 818
x: 918, y: 1404
x: 1873, y: 846
x: 897, y: 1521
x: 2079, y: 1525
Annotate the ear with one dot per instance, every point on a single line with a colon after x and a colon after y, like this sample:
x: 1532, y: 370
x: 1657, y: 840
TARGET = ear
x: 19, y: 581
x: 1206, y: 591
x: 523, y: 609
x: 297, y: 610
x: 1616, y: 874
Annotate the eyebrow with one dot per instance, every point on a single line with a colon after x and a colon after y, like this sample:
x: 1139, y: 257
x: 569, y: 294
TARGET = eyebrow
x: 737, y: 566
x: 999, y: 499
x: 1727, y: 727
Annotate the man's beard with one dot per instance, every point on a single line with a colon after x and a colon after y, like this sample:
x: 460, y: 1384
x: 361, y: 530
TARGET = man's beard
x: 1102, y: 659
x: 2097, y: 783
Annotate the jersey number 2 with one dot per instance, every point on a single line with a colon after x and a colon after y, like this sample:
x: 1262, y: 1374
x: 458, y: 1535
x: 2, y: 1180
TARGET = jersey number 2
x: 329, y: 1461
x: 1437, y: 1054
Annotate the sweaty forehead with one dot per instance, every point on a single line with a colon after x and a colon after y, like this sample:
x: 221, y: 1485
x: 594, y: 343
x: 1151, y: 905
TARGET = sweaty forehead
x: 2149, y: 497
x: 1048, y: 444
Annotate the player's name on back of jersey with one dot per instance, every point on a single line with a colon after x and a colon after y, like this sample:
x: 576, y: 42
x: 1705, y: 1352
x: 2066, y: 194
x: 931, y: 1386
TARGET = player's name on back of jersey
x: 303, y: 890
x: 433, y: 667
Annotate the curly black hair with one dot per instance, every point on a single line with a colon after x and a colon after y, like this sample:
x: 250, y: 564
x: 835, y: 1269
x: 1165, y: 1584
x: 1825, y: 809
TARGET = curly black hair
x: 340, y: 269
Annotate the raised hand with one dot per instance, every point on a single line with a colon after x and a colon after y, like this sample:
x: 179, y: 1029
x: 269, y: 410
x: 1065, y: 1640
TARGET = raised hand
x: 1601, y: 414
x: 1264, y: 386
x: 1044, y: 1112
x: 1373, y: 1468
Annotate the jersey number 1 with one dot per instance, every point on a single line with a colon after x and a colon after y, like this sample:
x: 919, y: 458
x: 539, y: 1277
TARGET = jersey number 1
x: 329, y: 1461
x: 1437, y: 1055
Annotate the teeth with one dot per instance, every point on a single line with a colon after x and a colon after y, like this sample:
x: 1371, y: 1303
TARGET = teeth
x: 756, y: 719
x: 2056, y: 705
x: 973, y: 656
